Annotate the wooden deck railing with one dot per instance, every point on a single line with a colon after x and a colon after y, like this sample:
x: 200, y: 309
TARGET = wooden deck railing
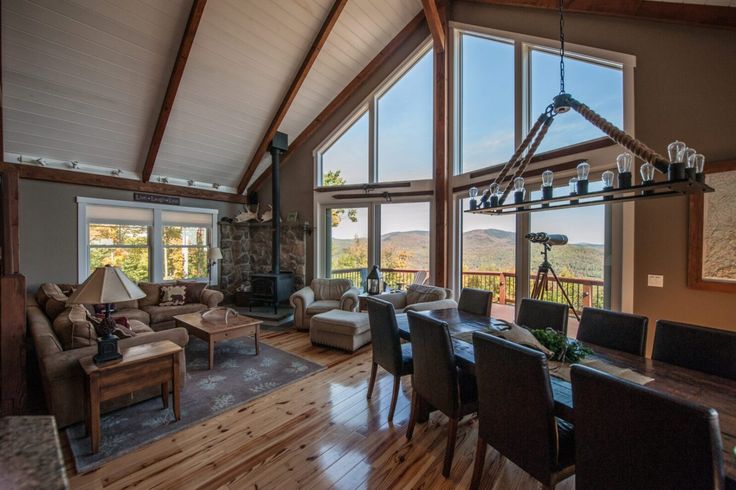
x: 582, y: 292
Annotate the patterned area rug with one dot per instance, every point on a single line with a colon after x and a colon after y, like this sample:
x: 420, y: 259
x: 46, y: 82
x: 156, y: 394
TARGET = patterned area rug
x: 238, y: 377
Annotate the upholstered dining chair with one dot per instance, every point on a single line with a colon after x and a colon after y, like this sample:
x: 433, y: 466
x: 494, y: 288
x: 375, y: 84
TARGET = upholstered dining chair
x: 614, y: 330
x: 536, y: 313
x: 703, y: 349
x: 516, y: 412
x: 388, y: 351
x: 436, y: 381
x: 478, y: 301
x: 630, y: 436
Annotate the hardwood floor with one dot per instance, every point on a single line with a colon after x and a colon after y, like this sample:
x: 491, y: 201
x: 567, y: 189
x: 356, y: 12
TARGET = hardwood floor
x: 320, y: 432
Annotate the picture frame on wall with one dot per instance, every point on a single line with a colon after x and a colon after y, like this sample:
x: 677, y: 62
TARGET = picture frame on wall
x: 712, y: 232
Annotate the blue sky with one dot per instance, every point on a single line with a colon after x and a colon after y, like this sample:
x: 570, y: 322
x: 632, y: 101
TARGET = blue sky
x: 404, y: 137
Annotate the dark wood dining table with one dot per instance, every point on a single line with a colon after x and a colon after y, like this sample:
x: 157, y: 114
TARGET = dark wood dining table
x: 694, y: 386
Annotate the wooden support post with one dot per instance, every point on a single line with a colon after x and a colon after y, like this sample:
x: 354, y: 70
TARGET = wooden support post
x: 587, y: 295
x: 441, y: 171
x: 502, y: 289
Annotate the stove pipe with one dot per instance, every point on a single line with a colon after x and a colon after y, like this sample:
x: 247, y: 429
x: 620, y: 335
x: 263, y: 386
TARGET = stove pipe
x: 279, y: 144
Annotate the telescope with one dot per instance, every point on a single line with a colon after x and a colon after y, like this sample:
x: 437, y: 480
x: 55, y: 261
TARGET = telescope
x: 552, y: 239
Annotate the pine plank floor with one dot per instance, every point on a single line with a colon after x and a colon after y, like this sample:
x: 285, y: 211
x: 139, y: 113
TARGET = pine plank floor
x: 319, y: 433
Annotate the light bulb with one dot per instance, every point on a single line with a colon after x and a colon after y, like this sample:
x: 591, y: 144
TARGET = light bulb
x: 686, y: 154
x: 607, y: 178
x: 674, y: 151
x: 699, y: 162
x: 493, y: 188
x: 583, y: 170
x: 473, y: 192
x: 573, y: 185
x: 624, y: 162
x: 547, y: 177
x: 519, y: 184
x: 647, y: 172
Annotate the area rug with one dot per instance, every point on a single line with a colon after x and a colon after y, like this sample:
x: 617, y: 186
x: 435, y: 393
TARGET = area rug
x: 237, y: 378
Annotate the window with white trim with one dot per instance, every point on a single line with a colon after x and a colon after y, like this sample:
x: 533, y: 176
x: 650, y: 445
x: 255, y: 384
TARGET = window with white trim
x: 148, y: 242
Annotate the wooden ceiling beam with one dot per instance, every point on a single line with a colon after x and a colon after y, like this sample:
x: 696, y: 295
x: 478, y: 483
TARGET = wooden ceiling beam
x: 681, y: 13
x: 417, y: 23
x: 185, y: 47
x: 291, y: 92
x: 80, y: 178
x: 435, y: 24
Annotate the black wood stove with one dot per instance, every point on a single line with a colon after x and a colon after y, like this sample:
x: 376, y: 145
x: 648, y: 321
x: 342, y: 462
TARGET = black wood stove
x: 274, y: 287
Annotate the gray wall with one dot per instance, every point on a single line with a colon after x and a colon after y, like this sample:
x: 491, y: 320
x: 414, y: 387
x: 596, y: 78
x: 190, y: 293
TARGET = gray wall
x: 684, y: 89
x: 48, y: 227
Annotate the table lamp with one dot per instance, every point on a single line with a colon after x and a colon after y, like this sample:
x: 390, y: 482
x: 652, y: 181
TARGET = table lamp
x: 213, y: 255
x: 106, y: 285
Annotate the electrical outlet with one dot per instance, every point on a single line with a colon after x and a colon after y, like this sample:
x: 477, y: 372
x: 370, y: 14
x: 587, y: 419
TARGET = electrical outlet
x: 655, y: 281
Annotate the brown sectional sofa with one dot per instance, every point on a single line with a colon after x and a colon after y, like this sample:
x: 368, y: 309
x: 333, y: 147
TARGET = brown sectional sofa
x: 61, y: 376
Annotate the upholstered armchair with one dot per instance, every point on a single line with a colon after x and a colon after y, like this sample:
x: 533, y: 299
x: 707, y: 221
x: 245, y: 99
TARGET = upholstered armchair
x: 321, y: 296
x: 418, y: 297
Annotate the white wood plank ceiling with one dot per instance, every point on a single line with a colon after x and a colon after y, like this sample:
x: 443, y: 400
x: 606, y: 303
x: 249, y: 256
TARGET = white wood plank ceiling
x: 84, y: 79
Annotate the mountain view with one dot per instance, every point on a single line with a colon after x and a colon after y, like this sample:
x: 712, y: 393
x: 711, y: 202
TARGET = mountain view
x: 483, y: 250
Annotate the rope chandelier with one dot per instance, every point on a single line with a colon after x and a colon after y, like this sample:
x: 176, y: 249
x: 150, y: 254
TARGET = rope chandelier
x: 684, y: 168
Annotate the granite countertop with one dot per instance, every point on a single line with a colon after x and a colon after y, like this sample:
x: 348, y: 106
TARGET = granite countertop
x: 30, y: 454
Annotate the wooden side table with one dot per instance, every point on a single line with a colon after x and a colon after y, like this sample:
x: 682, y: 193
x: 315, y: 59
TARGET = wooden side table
x: 142, y: 366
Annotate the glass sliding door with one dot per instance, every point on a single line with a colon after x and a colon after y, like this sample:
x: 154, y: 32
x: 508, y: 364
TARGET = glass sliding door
x: 405, y: 242
x: 489, y: 258
x: 347, y: 243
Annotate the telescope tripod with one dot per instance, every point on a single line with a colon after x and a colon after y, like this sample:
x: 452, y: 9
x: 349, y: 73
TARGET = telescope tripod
x: 540, y: 282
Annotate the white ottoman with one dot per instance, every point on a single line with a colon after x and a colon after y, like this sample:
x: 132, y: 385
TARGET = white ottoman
x: 346, y: 330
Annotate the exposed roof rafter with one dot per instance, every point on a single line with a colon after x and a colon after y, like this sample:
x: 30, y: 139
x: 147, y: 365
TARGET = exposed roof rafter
x: 195, y: 15
x: 417, y: 23
x: 301, y: 75
x: 435, y: 24
x: 683, y: 13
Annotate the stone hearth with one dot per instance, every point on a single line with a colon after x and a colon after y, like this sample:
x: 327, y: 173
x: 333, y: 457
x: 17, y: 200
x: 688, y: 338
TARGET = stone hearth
x: 246, y: 249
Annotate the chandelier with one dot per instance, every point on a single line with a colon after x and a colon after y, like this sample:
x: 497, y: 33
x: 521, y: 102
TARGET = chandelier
x: 684, y: 167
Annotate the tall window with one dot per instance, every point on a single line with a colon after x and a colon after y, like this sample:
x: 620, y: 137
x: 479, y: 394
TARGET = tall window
x: 347, y: 242
x: 486, y: 105
x: 404, y: 241
x: 599, y: 85
x: 148, y: 242
x: 402, y: 133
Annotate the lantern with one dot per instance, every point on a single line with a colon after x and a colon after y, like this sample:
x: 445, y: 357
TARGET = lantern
x: 373, y: 281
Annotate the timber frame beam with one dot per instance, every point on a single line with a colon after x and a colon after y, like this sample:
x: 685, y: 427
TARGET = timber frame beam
x: 291, y: 92
x: 681, y: 13
x: 416, y: 24
x: 195, y: 15
x: 80, y: 178
x: 441, y: 162
x: 435, y: 23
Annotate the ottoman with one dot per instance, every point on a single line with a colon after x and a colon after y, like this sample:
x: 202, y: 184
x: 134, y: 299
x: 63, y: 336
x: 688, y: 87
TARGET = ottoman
x: 346, y: 330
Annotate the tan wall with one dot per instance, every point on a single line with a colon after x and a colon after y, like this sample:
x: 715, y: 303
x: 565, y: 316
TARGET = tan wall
x: 685, y: 87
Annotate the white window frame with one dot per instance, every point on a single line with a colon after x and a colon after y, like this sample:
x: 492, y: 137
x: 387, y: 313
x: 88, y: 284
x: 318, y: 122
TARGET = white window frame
x: 620, y: 216
x: 325, y: 200
x: 156, y: 246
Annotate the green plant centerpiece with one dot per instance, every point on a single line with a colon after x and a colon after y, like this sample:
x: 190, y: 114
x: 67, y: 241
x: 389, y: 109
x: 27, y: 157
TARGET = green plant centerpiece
x: 564, y: 349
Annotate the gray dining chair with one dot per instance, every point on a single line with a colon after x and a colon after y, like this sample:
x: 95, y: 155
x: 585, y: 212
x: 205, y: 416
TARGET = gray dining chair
x: 708, y: 350
x: 536, y: 313
x: 476, y: 301
x: 630, y: 436
x: 516, y: 412
x: 623, y: 332
x: 437, y: 383
x: 388, y: 351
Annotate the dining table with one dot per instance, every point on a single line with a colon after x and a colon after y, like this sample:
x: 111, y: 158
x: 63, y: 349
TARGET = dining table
x: 694, y: 386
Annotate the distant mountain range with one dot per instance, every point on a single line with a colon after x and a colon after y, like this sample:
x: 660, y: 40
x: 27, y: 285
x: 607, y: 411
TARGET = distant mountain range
x: 491, y: 249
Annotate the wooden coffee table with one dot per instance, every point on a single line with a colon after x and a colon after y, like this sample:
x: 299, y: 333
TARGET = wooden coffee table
x: 142, y: 366
x: 214, y: 329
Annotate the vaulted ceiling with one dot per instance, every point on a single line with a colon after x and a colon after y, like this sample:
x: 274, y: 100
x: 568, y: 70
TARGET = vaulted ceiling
x: 84, y: 80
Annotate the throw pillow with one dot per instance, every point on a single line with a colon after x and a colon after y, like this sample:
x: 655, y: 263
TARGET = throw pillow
x: 173, y: 295
x: 73, y: 328
x: 153, y: 293
x: 55, y: 302
x: 194, y: 290
x: 417, y: 293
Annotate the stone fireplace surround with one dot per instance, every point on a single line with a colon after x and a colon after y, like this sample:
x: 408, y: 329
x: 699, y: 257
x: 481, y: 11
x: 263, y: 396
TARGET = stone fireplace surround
x: 246, y: 249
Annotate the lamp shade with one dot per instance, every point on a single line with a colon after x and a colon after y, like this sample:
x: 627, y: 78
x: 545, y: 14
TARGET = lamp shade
x: 214, y: 253
x: 106, y: 285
